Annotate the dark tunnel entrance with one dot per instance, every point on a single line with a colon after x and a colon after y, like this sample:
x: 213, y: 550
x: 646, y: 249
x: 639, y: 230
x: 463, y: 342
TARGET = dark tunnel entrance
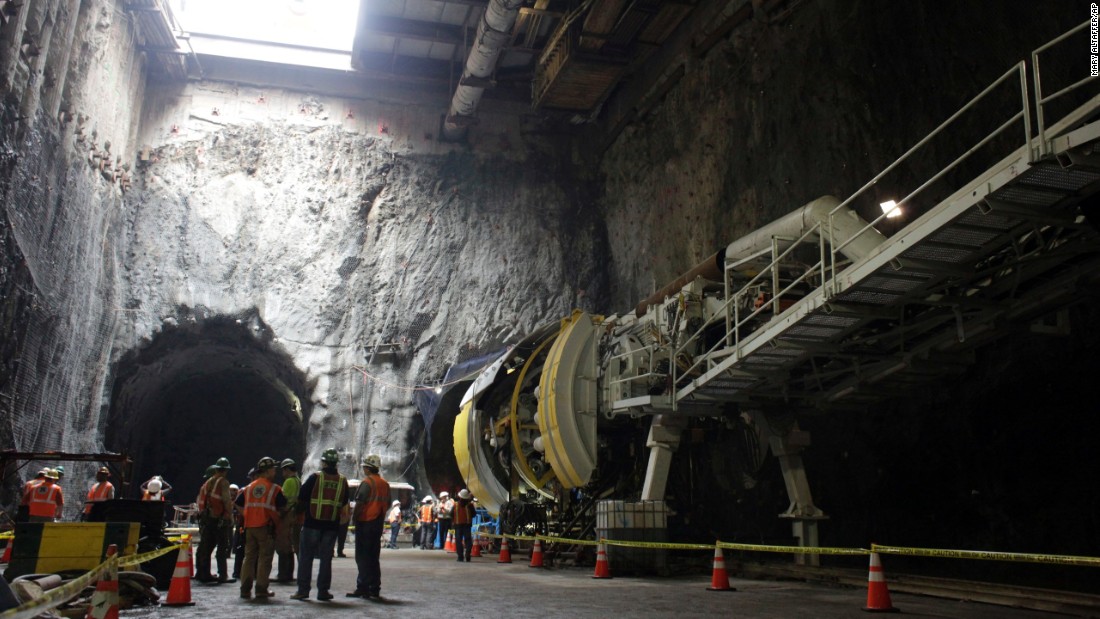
x: 205, y: 389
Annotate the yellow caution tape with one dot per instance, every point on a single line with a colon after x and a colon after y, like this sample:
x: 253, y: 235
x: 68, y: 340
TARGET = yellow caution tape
x: 130, y: 560
x: 7, y: 535
x: 798, y: 550
x: 988, y: 555
x: 56, y: 597
x: 662, y: 545
x: 553, y: 539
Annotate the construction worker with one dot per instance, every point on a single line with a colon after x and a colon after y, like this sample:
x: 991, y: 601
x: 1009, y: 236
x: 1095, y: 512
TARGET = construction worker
x: 286, y: 544
x: 427, y: 523
x: 393, y: 518
x: 215, y: 524
x: 47, y: 499
x: 60, y: 472
x: 101, y: 490
x: 261, y: 501
x: 155, y: 489
x: 371, y: 500
x: 443, y: 517
x: 322, y: 501
x: 23, y: 512
x: 463, y: 517
x: 238, y: 525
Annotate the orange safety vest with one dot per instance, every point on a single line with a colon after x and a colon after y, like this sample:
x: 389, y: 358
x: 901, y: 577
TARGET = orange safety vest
x: 100, y: 491
x: 28, y: 488
x: 210, y: 497
x: 378, y: 499
x: 328, y: 491
x: 462, y: 514
x: 426, y: 512
x: 147, y: 496
x: 45, y: 499
x: 259, y: 503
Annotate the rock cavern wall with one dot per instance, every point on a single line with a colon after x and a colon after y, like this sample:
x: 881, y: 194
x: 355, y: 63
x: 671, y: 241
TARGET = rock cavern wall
x: 344, y: 225
x: 59, y: 286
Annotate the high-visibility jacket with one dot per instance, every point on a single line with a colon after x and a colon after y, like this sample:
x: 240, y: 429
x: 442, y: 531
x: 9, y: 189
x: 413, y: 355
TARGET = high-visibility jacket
x: 45, y: 499
x: 373, y: 503
x: 327, y: 496
x: 100, y: 491
x: 149, y: 496
x: 28, y: 488
x: 426, y: 512
x: 259, y: 503
x: 210, y: 496
x: 292, y: 486
x: 463, y: 513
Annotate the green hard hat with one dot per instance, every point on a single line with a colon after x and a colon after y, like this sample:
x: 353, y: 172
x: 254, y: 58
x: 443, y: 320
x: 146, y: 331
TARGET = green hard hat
x: 288, y: 464
x: 222, y: 463
x: 265, y: 463
x: 330, y: 456
x: 60, y: 469
x: 209, y: 472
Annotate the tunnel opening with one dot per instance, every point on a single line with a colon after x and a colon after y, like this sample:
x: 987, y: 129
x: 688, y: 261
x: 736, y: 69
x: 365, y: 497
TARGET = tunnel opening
x: 203, y: 388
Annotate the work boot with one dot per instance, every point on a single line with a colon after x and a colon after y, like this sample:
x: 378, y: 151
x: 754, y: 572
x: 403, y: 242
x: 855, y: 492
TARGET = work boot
x: 356, y: 594
x: 298, y: 595
x: 324, y: 596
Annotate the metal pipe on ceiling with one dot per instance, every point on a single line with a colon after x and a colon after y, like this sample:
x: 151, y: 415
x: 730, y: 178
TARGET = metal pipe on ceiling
x: 494, y: 31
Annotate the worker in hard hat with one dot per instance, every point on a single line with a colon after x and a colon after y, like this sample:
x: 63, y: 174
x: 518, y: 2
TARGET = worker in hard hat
x: 60, y: 469
x: 47, y: 500
x: 393, y: 520
x: 371, y: 500
x: 238, y: 526
x: 286, y: 544
x: 215, y: 504
x: 260, y: 501
x: 443, y: 516
x: 427, y: 523
x: 101, y: 490
x: 155, y: 489
x: 463, y: 518
x: 322, y: 501
x: 23, y: 512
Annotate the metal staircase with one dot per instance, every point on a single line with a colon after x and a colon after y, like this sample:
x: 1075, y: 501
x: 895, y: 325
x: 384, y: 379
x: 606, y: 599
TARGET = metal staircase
x: 1006, y: 250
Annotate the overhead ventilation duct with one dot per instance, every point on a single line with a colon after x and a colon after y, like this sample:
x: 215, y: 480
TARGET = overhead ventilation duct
x: 493, y: 33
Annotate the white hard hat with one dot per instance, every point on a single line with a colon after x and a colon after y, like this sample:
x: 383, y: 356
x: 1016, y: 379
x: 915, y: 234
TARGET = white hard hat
x: 464, y: 494
x: 427, y: 499
x: 234, y: 487
x: 396, y: 502
x: 153, y: 486
x: 443, y: 494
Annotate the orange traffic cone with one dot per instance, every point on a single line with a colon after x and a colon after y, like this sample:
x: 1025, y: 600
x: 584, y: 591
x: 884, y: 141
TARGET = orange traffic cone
x: 179, y: 590
x: 475, y: 551
x: 105, y: 599
x: 7, y: 551
x: 450, y: 545
x: 878, y: 596
x: 536, y: 554
x: 719, y: 579
x: 505, y: 554
x: 603, y: 570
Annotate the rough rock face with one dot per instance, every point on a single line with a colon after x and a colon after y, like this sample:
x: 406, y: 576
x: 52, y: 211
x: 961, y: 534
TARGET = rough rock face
x: 344, y: 243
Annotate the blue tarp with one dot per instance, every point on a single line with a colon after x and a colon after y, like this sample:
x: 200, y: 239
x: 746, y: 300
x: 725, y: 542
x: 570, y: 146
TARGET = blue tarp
x: 427, y: 400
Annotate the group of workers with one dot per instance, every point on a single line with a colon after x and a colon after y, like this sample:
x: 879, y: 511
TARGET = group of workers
x: 294, y: 518
x: 43, y: 499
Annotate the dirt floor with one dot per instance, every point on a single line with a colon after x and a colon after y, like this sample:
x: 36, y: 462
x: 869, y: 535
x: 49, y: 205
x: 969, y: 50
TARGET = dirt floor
x: 431, y: 583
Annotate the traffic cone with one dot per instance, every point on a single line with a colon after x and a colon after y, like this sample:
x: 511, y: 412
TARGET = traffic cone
x: 878, y: 596
x: 475, y: 551
x: 505, y: 554
x: 450, y: 545
x: 536, y: 554
x: 719, y: 579
x: 7, y: 551
x: 105, y: 599
x: 179, y: 590
x: 603, y: 570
